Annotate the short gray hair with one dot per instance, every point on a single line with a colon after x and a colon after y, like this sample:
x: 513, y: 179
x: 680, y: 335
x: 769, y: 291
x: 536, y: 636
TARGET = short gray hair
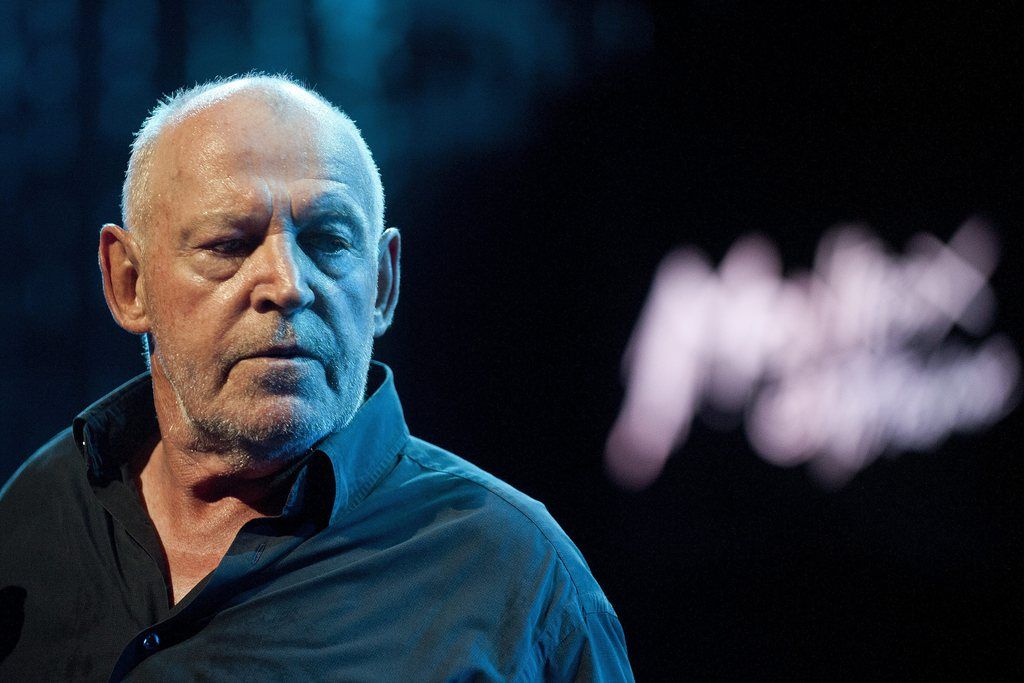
x: 136, y: 194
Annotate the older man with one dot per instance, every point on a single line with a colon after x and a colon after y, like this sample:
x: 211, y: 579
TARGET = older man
x: 255, y: 506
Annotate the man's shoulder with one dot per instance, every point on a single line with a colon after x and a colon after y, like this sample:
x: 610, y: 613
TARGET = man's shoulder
x: 42, y: 496
x: 503, y: 516
x: 57, y: 464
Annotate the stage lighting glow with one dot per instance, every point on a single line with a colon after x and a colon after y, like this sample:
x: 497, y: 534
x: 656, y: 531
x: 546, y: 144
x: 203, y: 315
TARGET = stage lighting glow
x: 869, y: 353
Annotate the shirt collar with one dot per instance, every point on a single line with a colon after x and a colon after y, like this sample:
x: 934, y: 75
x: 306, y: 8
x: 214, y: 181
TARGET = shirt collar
x: 116, y: 426
x: 366, y: 449
x: 360, y: 454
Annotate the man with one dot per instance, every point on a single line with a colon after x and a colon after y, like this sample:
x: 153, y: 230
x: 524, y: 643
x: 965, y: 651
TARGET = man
x: 255, y: 506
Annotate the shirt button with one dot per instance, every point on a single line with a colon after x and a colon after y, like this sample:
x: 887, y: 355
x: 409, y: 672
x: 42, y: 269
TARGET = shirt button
x: 151, y: 641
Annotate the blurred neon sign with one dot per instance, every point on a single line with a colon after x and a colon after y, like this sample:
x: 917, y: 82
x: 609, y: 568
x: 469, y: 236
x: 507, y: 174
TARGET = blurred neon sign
x: 829, y: 368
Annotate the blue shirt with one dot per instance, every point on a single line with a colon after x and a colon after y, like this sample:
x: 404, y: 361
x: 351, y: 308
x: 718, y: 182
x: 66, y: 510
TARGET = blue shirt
x: 392, y: 559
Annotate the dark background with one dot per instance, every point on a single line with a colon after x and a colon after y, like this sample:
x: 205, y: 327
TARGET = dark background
x: 540, y: 158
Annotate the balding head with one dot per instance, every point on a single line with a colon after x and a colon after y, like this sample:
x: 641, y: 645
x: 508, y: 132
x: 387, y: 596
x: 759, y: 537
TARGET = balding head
x: 277, y: 96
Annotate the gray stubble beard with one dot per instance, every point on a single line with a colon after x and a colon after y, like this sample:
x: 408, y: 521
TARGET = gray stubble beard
x: 244, y: 446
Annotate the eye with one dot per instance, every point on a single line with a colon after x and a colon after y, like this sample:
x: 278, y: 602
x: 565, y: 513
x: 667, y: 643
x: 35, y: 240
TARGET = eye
x: 325, y: 243
x: 231, y: 247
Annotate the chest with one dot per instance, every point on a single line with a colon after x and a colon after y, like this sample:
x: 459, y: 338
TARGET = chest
x: 296, y: 606
x: 187, y: 570
x: 376, y: 620
x: 191, y: 557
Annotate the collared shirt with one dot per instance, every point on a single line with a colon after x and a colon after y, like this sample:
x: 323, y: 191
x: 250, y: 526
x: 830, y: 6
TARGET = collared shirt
x: 392, y: 559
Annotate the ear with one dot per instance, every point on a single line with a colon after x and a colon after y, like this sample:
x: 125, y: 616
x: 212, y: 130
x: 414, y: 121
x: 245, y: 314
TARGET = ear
x: 389, y: 271
x: 122, y: 285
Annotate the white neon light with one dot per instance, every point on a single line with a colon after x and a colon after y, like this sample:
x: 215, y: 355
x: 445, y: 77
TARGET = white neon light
x: 830, y: 368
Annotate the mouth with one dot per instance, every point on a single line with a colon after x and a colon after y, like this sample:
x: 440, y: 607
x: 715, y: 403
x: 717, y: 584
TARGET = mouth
x: 282, y: 353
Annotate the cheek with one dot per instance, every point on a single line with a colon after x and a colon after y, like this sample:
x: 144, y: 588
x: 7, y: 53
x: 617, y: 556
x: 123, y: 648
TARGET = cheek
x: 188, y: 317
x: 348, y: 312
x: 355, y: 301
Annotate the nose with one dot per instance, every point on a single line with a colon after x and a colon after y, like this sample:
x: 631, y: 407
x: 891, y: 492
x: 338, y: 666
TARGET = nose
x: 281, y: 280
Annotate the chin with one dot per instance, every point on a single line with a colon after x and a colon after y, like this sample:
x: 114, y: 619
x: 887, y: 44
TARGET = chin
x: 266, y: 429
x: 271, y: 415
x: 285, y: 423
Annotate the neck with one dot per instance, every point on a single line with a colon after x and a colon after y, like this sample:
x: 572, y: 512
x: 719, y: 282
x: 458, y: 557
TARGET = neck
x: 198, y: 484
x: 187, y: 478
x: 197, y: 506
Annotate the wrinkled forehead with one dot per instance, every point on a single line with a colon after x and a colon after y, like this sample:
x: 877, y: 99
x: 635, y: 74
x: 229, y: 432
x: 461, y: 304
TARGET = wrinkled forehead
x: 229, y: 137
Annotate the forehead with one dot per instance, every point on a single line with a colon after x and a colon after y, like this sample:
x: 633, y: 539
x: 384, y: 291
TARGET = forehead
x: 236, y: 145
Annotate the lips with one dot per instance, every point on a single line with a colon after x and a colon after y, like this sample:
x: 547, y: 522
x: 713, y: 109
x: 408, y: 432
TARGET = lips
x: 282, y: 351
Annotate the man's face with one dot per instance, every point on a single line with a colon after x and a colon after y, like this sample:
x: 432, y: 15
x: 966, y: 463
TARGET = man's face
x: 259, y: 275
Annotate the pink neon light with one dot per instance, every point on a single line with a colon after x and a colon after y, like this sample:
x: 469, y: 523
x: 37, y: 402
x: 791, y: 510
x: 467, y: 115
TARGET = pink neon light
x: 830, y: 368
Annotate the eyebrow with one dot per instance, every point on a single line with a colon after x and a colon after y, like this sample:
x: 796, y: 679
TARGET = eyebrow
x: 332, y: 202
x: 209, y: 220
x: 323, y: 203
